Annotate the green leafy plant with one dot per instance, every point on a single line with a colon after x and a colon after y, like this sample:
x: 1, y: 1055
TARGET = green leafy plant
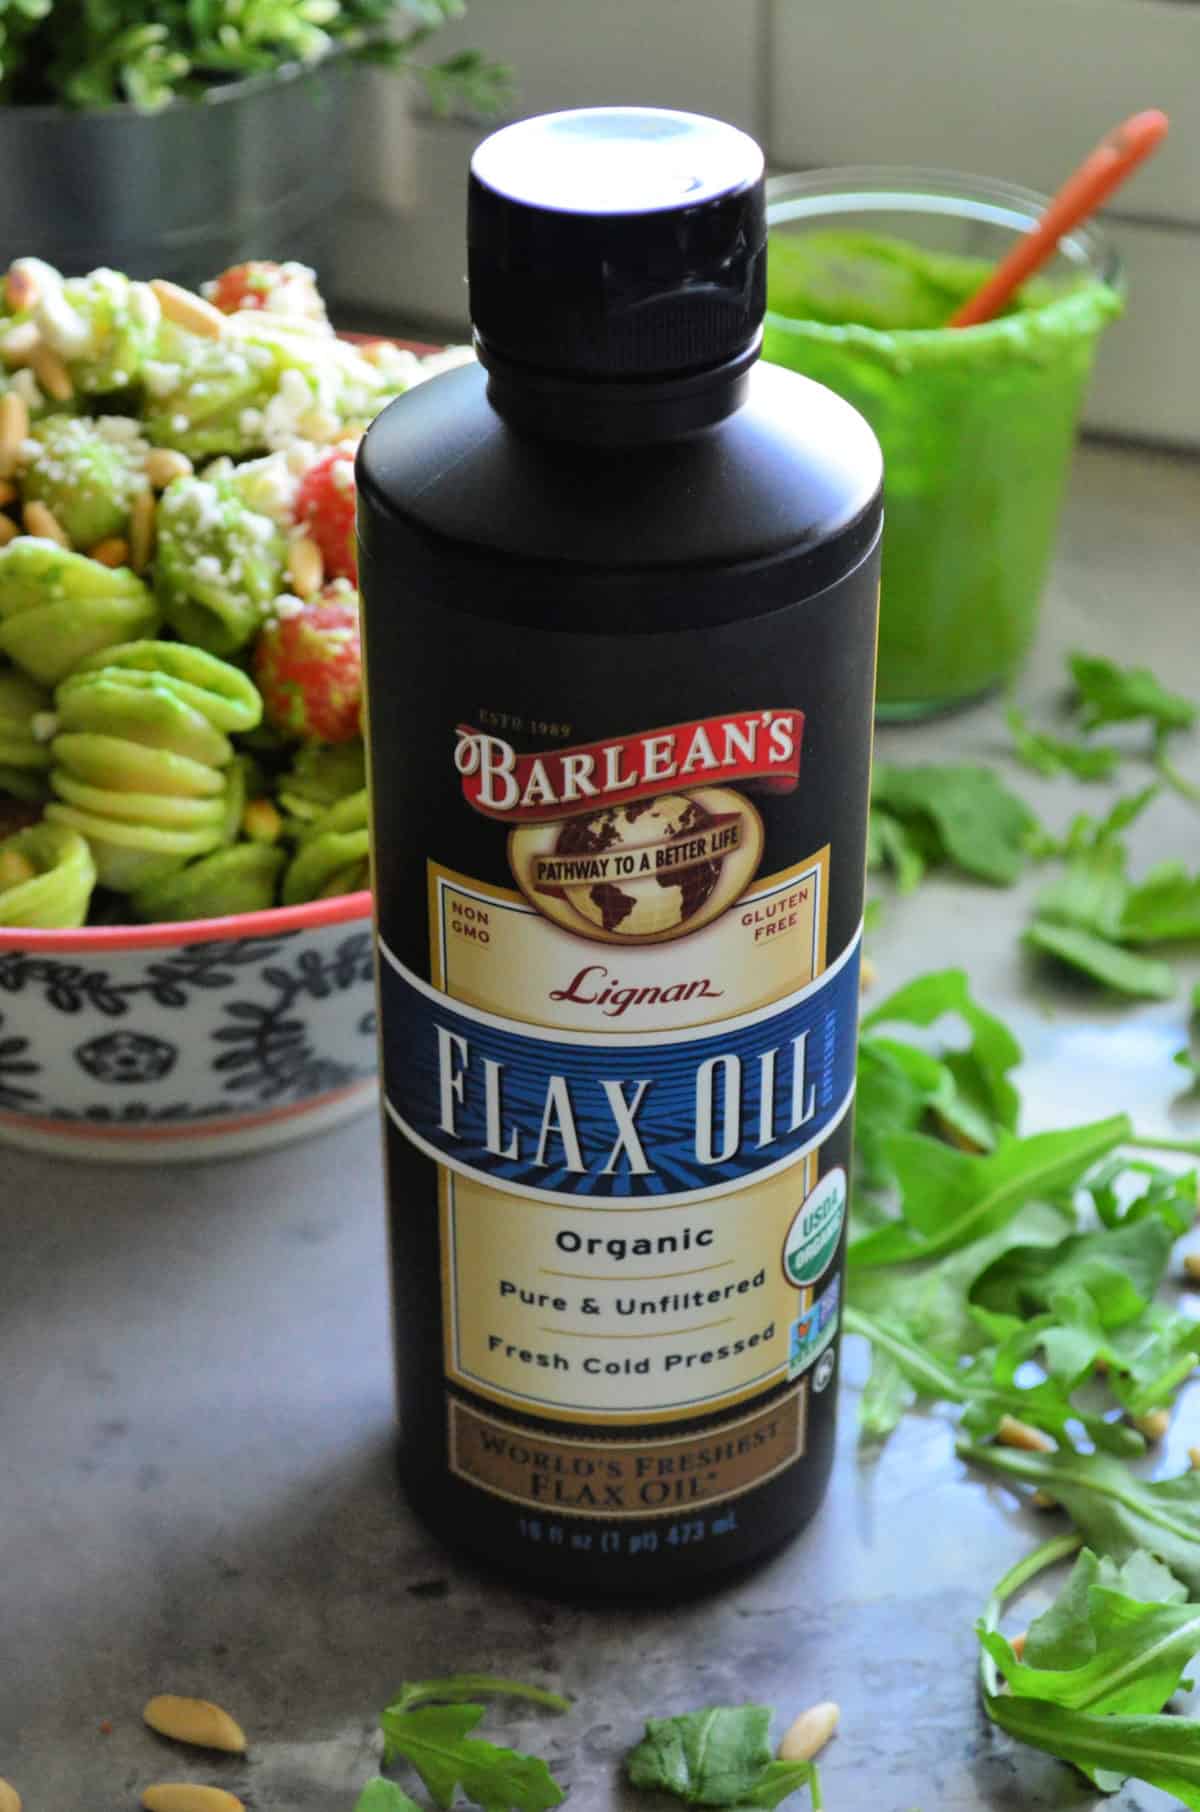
x: 100, y: 53
x: 960, y: 815
x: 380, y: 1795
x: 428, y: 1724
x: 1047, y: 754
x: 1108, y: 694
x: 1097, y: 1668
x: 974, y: 1272
x: 719, y: 1756
x: 1114, y: 1510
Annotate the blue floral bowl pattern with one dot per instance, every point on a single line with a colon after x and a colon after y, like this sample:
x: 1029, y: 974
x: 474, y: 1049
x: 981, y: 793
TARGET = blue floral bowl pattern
x: 163, y: 1043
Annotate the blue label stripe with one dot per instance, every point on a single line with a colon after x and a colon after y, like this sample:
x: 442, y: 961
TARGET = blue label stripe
x: 698, y: 1124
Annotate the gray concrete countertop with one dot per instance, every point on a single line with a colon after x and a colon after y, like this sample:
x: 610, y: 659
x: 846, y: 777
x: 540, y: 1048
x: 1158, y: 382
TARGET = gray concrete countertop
x: 196, y: 1475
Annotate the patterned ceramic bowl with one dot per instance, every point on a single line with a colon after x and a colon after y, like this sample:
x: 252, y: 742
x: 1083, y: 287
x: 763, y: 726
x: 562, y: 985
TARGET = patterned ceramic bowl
x: 160, y: 1043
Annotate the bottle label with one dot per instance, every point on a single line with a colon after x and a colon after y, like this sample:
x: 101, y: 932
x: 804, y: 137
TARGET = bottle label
x: 622, y: 1027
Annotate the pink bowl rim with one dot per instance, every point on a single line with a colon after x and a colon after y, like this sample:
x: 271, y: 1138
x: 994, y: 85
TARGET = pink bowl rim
x: 271, y: 921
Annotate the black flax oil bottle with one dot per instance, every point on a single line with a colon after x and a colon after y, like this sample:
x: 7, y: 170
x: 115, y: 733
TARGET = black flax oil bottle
x: 620, y: 587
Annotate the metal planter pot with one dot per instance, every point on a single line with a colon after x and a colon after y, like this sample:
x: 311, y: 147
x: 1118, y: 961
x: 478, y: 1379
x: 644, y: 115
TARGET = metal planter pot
x: 252, y: 170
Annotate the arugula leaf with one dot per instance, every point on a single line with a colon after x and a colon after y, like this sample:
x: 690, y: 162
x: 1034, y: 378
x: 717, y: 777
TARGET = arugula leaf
x: 1108, y: 694
x: 384, y: 1796
x: 719, y: 1756
x: 1064, y: 1636
x: 1116, y: 1512
x: 896, y: 1085
x: 1162, y: 1751
x: 886, y: 1396
x: 1151, y: 1358
x: 977, y: 825
x: 1163, y: 908
x: 1100, y: 1649
x: 986, y: 1396
x: 435, y: 1740
x: 1054, y: 755
x: 891, y: 844
x: 1086, y: 833
x: 1119, y: 1268
x: 949, y: 1198
x: 1189, y: 1057
x: 1167, y: 1195
x: 981, y: 1072
x: 1090, y: 894
x: 1143, y: 977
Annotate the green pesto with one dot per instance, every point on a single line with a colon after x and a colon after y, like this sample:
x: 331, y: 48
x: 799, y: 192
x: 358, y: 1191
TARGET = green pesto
x: 976, y: 427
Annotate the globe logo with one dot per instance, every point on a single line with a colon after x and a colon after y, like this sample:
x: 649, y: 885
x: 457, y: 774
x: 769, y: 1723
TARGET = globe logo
x: 643, y: 871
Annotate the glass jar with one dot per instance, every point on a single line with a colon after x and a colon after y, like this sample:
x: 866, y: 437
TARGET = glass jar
x: 977, y: 424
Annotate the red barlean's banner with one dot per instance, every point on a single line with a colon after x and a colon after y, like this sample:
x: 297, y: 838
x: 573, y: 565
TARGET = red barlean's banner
x: 758, y: 747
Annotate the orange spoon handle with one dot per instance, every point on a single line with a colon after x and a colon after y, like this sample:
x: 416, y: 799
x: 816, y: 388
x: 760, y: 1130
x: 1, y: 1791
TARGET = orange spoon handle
x: 1102, y: 170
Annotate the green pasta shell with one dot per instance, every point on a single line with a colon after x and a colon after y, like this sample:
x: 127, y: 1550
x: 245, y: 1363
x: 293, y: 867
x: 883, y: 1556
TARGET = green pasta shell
x: 207, y: 396
x: 334, y: 856
x: 218, y: 566
x: 319, y: 776
x: 84, y: 474
x: 145, y: 707
x: 118, y: 765
x: 131, y: 855
x: 140, y: 772
x: 223, y: 694
x: 241, y: 879
x: 165, y: 811
x: 57, y: 607
x: 56, y: 898
x: 121, y: 319
x: 21, y: 700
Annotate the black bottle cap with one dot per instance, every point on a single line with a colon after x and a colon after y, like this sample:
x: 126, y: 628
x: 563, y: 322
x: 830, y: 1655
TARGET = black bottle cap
x: 617, y: 241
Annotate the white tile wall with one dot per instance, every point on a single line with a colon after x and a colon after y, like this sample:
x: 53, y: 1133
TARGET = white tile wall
x: 1018, y: 90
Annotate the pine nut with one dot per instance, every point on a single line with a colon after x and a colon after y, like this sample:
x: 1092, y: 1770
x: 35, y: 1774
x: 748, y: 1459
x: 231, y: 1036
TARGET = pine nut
x: 14, y: 870
x: 808, y: 1735
x: 196, y: 1721
x: 52, y: 374
x: 113, y: 551
x: 1012, y: 1433
x: 868, y: 975
x: 188, y: 310
x: 1191, y: 1266
x: 1154, y: 1424
x: 261, y: 821
x: 20, y: 288
x: 8, y: 530
x: 19, y: 343
x: 1194, y: 1458
x: 142, y: 514
x: 306, y: 567
x: 1042, y: 1500
x: 41, y: 521
x: 181, y: 1796
x: 10, y: 1799
x: 1017, y: 1645
x: 163, y: 464
x: 14, y: 431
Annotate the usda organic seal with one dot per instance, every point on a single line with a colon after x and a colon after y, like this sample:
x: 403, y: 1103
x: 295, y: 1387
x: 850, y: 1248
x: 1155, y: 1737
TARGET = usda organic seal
x: 813, y: 1236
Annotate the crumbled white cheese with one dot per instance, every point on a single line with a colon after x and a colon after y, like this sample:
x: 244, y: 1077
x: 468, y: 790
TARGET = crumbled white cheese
x: 26, y: 387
